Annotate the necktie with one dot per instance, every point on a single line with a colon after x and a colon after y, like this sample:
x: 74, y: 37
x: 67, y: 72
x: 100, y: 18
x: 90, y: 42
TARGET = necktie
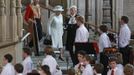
x: 112, y: 73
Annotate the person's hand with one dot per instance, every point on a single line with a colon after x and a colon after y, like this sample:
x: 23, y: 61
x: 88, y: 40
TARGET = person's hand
x: 32, y: 21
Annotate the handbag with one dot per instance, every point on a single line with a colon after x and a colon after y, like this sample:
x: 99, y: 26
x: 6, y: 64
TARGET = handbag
x: 47, y: 40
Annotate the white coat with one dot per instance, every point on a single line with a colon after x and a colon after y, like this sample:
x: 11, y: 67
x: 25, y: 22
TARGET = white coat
x: 52, y: 63
x: 104, y: 42
x: 124, y: 36
x: 28, y: 65
x: 55, y: 27
x: 88, y: 70
x: 8, y: 70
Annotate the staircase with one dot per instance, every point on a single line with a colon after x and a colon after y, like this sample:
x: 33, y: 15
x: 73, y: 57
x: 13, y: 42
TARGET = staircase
x: 63, y: 64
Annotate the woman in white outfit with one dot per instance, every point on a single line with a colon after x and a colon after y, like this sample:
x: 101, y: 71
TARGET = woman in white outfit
x: 51, y: 62
x: 55, y: 27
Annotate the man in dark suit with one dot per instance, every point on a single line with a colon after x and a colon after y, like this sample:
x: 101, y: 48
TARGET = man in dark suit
x: 71, y: 31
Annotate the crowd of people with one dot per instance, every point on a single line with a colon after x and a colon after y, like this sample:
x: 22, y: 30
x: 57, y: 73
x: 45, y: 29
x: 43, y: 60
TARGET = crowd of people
x: 49, y: 65
x: 115, y: 63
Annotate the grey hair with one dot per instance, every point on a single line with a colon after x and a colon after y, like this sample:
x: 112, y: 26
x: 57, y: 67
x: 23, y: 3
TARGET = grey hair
x: 73, y: 6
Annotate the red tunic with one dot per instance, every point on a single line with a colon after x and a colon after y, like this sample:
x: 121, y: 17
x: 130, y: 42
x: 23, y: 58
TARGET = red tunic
x: 29, y: 15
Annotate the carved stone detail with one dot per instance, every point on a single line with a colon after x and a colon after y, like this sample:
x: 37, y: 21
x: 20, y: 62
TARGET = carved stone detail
x: 2, y: 21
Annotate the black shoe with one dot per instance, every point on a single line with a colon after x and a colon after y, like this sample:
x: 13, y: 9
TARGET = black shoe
x: 61, y: 58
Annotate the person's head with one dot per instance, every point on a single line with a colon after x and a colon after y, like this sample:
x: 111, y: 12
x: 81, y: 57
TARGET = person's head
x: 129, y: 69
x: 71, y: 71
x: 26, y: 52
x: 80, y: 20
x: 98, y: 68
x: 124, y: 20
x: 18, y: 68
x: 48, y: 50
x: 81, y: 55
x: 36, y: 1
x: 7, y: 58
x: 45, y: 70
x: 73, y: 10
x: 103, y: 28
x: 87, y: 59
x: 34, y: 72
x: 112, y: 62
x: 58, y: 9
x: 119, y: 57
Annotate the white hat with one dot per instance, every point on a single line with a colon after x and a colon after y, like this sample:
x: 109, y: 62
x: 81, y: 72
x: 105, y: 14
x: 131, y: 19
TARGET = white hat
x: 58, y: 8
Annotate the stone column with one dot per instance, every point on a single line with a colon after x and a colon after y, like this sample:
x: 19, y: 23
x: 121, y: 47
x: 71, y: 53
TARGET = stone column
x: 13, y: 20
x: 2, y: 22
x: 118, y: 12
x: 88, y: 10
x: 19, y: 19
x: 99, y: 12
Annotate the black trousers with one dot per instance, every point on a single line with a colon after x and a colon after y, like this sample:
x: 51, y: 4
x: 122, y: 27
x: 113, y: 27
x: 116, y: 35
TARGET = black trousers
x: 125, y: 54
x: 71, y: 32
x: 37, y: 35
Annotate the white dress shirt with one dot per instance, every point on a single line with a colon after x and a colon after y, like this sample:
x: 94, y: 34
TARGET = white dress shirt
x: 104, y: 42
x: 82, y: 34
x: 116, y: 72
x: 124, y: 35
x: 52, y: 63
x: 28, y: 65
x: 72, y: 20
x: 120, y: 66
x: 88, y: 70
x: 8, y: 69
x: 19, y: 74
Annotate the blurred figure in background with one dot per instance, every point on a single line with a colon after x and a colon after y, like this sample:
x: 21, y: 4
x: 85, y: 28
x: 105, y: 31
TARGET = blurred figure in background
x: 33, y: 18
x: 71, y: 27
x: 129, y: 69
x: 51, y: 62
x: 114, y: 70
x: 98, y: 69
x: 19, y: 69
x: 27, y: 62
x: 124, y: 39
x: 8, y: 68
x: 81, y: 38
x: 45, y: 70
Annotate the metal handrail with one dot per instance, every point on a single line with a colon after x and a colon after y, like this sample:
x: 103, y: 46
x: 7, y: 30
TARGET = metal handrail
x: 25, y: 36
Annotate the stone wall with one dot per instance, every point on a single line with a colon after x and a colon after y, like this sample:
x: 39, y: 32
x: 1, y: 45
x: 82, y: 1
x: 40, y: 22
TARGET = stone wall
x: 14, y: 50
x: 129, y: 11
x: 10, y: 29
